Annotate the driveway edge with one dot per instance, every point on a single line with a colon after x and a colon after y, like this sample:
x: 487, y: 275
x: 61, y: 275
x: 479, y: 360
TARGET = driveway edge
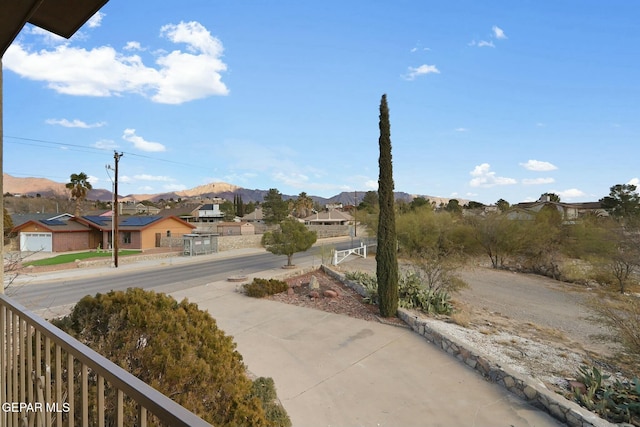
x: 529, y: 389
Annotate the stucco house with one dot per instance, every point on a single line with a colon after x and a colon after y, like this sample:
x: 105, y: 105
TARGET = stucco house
x: 568, y: 211
x: 55, y: 235
x: 92, y: 232
x: 329, y: 217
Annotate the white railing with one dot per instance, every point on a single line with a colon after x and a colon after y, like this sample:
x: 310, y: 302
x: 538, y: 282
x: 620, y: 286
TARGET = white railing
x: 48, y: 378
x: 339, y: 256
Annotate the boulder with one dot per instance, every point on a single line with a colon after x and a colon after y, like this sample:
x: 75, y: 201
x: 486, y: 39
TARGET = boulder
x: 313, y: 283
x: 330, y: 294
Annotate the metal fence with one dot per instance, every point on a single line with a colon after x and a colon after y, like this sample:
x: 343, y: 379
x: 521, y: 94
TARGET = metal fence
x: 48, y: 378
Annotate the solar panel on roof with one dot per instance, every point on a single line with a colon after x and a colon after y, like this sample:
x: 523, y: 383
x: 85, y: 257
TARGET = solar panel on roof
x: 100, y: 220
x: 52, y: 222
x: 139, y: 221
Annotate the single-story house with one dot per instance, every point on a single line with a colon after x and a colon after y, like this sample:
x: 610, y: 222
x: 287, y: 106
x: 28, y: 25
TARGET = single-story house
x: 54, y: 235
x: 329, y: 217
x: 254, y: 217
x: 92, y: 232
x: 133, y: 208
x: 139, y: 232
x: 235, y: 228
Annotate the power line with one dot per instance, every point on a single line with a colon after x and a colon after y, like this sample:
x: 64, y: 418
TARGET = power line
x: 86, y: 149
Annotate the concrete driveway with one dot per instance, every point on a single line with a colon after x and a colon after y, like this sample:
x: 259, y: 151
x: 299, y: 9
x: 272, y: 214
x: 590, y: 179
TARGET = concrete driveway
x: 333, y: 370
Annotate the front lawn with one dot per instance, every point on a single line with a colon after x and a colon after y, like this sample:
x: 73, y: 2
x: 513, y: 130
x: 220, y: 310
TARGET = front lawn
x: 66, y: 258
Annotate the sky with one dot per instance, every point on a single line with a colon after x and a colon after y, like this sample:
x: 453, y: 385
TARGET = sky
x: 488, y: 100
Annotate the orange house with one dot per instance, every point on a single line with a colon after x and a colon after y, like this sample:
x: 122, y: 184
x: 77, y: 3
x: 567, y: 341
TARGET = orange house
x: 140, y: 232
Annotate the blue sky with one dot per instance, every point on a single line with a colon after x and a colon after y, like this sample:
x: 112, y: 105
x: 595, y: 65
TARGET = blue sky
x: 488, y: 100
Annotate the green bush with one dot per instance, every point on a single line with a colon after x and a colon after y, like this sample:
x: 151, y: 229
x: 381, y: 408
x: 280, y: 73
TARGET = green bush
x: 260, y: 288
x: 172, y: 346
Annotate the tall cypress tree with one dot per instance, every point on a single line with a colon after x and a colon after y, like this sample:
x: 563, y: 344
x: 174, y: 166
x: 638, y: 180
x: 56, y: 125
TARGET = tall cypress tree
x: 386, y: 255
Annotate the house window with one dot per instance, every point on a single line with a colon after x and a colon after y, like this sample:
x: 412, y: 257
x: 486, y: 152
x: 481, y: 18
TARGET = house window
x: 168, y: 233
x: 126, y: 237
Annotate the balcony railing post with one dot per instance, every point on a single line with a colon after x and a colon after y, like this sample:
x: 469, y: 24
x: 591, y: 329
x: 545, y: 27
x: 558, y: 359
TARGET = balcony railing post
x: 3, y: 362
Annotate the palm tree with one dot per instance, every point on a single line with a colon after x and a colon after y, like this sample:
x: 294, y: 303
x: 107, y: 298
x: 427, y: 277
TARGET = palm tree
x: 79, y: 187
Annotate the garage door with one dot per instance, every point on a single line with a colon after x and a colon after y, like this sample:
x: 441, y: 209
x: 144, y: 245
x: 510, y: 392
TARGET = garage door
x: 36, y: 242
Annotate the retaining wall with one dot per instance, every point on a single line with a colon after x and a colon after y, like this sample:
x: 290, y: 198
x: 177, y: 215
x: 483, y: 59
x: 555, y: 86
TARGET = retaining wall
x: 531, y: 390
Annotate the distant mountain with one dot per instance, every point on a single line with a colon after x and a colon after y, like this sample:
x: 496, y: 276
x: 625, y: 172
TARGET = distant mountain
x: 47, y: 188
x: 33, y: 187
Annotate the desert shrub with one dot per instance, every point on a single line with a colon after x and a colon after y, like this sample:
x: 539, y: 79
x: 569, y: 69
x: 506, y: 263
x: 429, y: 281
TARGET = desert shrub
x: 172, y: 346
x: 621, y: 316
x: 412, y: 293
x: 260, y: 288
x: 368, y: 281
x: 616, y: 401
x: 265, y: 390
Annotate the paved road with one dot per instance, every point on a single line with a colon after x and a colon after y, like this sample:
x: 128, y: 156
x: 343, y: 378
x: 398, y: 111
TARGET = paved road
x: 168, y: 275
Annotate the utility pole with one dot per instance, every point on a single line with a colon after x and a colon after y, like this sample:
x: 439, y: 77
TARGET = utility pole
x: 355, y: 210
x: 116, y: 208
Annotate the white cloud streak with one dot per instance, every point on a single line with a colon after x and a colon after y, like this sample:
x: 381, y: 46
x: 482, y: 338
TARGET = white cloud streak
x: 75, y: 123
x: 102, y: 71
x: 140, y: 143
x: 420, y: 71
x: 572, y: 193
x: 483, y: 177
x: 538, y: 166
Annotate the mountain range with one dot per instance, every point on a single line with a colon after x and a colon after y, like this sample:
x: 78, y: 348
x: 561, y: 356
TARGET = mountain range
x: 32, y: 187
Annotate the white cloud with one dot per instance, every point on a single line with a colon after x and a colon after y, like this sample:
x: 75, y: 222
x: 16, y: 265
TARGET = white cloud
x: 481, y: 43
x: 462, y: 130
x: 102, y: 71
x: 483, y: 177
x: 498, y: 33
x: 371, y: 184
x: 106, y: 144
x: 125, y: 179
x: 96, y: 20
x: 140, y: 143
x: 538, y: 166
x: 538, y: 181
x: 420, y: 71
x: 47, y: 37
x: 75, y: 123
x: 93, y: 180
x: 634, y: 181
x: 133, y: 46
x: 571, y: 193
